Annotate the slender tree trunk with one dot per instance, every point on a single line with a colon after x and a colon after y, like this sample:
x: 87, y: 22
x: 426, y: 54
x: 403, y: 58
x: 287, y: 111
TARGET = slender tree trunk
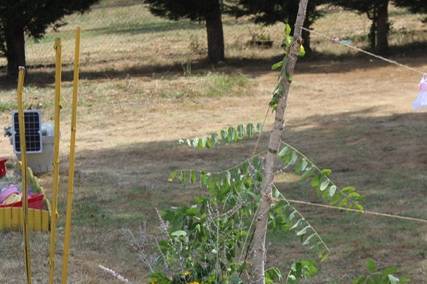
x: 382, y: 27
x: 373, y: 30
x: 293, y: 14
x: 15, y: 49
x: 258, y: 250
x: 215, y: 33
x: 378, y: 35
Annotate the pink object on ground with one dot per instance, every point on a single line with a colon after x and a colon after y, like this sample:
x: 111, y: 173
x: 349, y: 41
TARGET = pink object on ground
x: 3, y: 167
x: 7, y: 191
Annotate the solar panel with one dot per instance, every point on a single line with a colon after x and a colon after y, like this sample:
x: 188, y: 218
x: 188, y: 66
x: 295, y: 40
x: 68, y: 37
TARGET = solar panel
x: 33, y: 137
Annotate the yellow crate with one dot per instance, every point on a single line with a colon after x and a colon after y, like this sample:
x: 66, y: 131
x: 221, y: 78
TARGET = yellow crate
x: 11, y: 219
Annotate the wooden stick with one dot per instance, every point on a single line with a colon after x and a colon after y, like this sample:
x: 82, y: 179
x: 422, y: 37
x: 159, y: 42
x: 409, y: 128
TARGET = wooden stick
x: 72, y: 159
x: 258, y: 250
x: 24, y: 198
x: 55, y: 174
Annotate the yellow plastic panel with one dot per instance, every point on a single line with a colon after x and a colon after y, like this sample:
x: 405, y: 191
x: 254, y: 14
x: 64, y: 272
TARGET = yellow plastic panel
x: 37, y: 218
x: 11, y: 219
x: 45, y: 221
x: 2, y: 219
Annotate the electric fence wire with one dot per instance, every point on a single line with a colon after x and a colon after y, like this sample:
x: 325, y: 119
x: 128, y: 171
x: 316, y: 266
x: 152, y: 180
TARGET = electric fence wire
x: 339, y: 41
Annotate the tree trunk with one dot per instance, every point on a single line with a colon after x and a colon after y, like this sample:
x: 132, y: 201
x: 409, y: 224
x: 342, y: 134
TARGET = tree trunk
x: 307, y: 41
x: 309, y: 20
x: 378, y: 36
x: 382, y: 27
x: 258, y: 250
x: 215, y: 33
x: 373, y: 31
x: 15, y: 49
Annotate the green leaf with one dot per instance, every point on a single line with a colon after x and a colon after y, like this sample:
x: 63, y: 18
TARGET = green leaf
x: 193, y: 177
x: 172, y: 176
x: 324, y: 183
x: 319, y: 179
x: 390, y: 270
x: 303, y: 165
x: 273, y: 275
x: 179, y: 233
x: 348, y: 189
x: 294, y: 158
x: 303, y: 231
x: 326, y: 172
x: 240, y: 131
x: 393, y: 279
x: 277, y: 65
x: 283, y: 151
x: 159, y: 278
x: 372, y: 266
x: 301, y: 51
x: 287, y: 30
x: 301, y: 270
x: 250, y: 129
x: 307, y: 240
x: 332, y: 190
x: 294, y: 226
x: 315, y: 182
x: 225, y: 136
x: 289, y: 77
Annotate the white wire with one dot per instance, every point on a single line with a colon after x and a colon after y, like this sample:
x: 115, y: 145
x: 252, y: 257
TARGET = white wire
x: 340, y: 42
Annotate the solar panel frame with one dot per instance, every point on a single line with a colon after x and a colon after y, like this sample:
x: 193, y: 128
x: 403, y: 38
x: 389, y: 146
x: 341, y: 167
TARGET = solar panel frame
x: 33, y: 133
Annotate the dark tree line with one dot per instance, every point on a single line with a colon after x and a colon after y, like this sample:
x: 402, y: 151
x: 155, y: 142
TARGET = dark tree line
x: 271, y: 11
x: 377, y: 12
x: 209, y: 11
x: 19, y: 18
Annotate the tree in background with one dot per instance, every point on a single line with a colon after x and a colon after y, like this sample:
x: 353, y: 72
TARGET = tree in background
x: 196, y: 10
x: 269, y: 12
x: 415, y: 6
x: 31, y: 18
x: 377, y: 11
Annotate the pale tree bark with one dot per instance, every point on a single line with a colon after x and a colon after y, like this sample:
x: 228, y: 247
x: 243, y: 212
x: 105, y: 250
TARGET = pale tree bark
x: 258, y: 250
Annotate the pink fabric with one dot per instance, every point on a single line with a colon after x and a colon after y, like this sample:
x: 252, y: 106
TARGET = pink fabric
x: 423, y: 84
x: 420, y: 102
x: 7, y: 191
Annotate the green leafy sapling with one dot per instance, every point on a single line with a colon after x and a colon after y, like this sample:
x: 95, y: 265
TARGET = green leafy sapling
x: 286, y: 45
x: 380, y: 276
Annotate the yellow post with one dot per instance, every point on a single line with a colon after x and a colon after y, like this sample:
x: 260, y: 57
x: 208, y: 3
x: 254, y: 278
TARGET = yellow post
x: 72, y: 158
x: 55, y: 177
x: 24, y: 189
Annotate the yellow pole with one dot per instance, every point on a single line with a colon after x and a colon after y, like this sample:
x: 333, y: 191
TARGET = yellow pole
x: 24, y: 189
x: 72, y: 158
x: 55, y: 177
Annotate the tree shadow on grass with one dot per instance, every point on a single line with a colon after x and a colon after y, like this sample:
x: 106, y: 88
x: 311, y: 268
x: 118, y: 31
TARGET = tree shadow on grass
x: 136, y: 28
x: 385, y: 157
x: 42, y: 75
x: 349, y: 143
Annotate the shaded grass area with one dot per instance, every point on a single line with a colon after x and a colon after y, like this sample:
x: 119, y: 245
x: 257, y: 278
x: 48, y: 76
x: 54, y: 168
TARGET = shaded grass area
x: 119, y: 188
x: 125, y: 197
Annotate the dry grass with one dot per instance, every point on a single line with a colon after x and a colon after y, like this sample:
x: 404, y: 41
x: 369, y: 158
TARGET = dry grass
x: 138, y: 97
